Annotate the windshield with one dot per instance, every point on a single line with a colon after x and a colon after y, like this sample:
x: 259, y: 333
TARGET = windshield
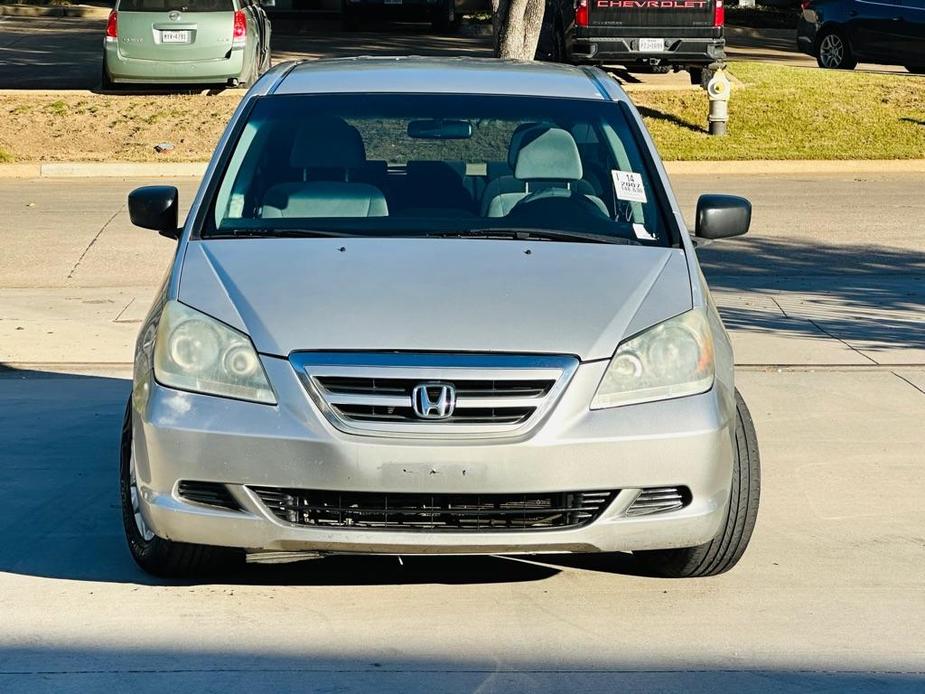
x: 399, y: 164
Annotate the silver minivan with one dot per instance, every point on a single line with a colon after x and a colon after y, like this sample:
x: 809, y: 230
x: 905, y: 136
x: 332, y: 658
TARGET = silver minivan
x: 425, y: 306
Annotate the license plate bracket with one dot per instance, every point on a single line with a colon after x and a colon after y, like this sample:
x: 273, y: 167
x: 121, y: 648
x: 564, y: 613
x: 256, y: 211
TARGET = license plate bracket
x: 182, y: 36
x: 651, y: 45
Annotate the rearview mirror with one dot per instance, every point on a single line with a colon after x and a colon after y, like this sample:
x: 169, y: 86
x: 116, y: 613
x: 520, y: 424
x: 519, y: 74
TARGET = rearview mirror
x: 155, y: 207
x: 722, y: 216
x: 440, y: 129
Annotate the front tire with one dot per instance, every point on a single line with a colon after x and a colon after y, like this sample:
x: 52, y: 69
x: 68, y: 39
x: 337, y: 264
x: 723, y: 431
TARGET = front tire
x: 724, y: 550
x: 834, y: 53
x: 106, y: 83
x: 154, y: 554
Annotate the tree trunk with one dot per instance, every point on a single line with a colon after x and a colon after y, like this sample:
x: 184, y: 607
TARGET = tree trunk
x: 517, y: 25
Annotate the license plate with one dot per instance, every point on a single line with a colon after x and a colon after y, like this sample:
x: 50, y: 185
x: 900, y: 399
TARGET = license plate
x: 651, y: 45
x: 174, y: 37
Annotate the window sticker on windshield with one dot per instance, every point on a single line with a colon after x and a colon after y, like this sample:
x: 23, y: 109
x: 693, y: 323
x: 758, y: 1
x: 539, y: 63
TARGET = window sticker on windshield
x: 643, y: 233
x: 628, y: 186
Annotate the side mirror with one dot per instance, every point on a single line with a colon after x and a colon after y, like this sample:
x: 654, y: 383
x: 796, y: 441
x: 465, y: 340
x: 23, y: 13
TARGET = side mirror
x: 722, y: 216
x: 155, y: 207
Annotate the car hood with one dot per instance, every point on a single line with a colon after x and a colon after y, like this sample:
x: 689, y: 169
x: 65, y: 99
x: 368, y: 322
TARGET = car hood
x: 457, y: 295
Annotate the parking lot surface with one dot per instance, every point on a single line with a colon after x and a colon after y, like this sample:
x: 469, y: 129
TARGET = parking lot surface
x: 824, y: 300
x: 66, y: 53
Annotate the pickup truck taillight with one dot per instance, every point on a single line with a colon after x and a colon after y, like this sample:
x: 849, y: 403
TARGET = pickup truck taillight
x: 112, y: 27
x: 719, y: 14
x: 240, y: 28
x: 581, y: 13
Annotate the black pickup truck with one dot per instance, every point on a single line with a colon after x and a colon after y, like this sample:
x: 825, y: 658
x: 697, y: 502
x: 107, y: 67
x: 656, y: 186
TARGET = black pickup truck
x: 658, y: 34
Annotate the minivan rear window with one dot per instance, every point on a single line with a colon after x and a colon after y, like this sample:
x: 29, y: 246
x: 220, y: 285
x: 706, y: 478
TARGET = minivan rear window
x: 176, y: 6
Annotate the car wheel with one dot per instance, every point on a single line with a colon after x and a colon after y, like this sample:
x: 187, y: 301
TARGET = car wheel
x: 106, y: 83
x: 444, y: 19
x: 250, y: 74
x: 834, y: 53
x: 916, y: 69
x: 725, y: 550
x: 154, y: 554
x: 558, y: 48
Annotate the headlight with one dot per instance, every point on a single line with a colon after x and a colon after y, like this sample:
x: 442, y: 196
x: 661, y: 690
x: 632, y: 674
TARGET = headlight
x: 198, y: 353
x: 669, y: 360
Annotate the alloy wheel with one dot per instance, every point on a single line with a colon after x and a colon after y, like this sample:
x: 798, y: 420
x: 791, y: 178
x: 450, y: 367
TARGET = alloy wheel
x: 832, y: 51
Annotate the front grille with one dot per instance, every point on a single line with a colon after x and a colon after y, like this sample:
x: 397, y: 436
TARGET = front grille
x: 659, y: 500
x: 434, y: 512
x: 210, y: 493
x: 373, y: 393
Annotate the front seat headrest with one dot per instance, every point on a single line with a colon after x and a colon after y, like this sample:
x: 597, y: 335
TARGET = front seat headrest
x: 548, y: 154
x: 327, y: 142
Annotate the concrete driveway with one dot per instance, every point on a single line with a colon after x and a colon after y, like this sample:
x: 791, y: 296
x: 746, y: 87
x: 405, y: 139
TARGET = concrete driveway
x: 824, y: 300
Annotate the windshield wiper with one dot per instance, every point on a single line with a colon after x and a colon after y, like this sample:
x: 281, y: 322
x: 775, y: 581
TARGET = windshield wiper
x: 272, y: 232
x: 535, y: 234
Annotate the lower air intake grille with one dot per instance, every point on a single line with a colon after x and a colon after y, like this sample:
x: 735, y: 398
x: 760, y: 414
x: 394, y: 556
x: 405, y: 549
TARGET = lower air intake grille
x: 659, y: 500
x: 434, y: 512
x: 210, y: 493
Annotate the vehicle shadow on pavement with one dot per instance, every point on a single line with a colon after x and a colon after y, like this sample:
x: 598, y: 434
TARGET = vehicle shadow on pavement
x: 871, y: 297
x: 60, y: 515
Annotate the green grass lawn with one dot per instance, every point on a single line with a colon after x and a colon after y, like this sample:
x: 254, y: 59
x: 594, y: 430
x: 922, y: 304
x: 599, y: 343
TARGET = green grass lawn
x: 795, y: 113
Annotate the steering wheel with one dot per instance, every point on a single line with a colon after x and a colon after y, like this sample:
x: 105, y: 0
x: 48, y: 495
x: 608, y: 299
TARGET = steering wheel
x: 557, y: 200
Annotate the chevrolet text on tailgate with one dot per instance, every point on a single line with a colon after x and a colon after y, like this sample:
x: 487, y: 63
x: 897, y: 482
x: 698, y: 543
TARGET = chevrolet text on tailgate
x: 426, y: 306
x: 659, y: 34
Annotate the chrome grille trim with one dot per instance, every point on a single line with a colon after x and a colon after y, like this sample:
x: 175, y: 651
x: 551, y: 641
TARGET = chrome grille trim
x: 369, y: 393
x: 659, y: 500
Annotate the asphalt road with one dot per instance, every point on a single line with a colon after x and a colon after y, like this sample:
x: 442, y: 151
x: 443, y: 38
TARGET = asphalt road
x: 65, y: 53
x: 825, y: 300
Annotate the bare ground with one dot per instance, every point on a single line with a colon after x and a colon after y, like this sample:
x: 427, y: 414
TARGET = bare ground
x: 112, y: 128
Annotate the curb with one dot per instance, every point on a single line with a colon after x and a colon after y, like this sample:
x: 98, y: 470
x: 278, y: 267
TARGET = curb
x: 797, y: 166
x: 680, y: 168
x: 86, y: 11
x: 104, y: 170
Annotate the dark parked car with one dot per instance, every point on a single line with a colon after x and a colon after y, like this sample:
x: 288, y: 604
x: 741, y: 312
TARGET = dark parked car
x: 842, y: 33
x: 659, y: 34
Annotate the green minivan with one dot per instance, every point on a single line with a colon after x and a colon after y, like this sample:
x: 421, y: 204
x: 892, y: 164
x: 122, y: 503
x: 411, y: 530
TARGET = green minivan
x: 186, y: 42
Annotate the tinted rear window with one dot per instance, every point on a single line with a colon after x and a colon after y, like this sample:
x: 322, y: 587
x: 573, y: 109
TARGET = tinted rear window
x: 176, y: 5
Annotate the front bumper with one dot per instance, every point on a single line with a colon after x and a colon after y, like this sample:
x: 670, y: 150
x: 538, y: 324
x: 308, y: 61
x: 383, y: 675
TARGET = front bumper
x: 624, y: 50
x: 184, y: 436
x: 136, y: 71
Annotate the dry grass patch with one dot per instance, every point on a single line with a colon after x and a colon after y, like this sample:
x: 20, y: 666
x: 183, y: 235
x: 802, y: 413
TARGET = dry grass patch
x: 112, y: 128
